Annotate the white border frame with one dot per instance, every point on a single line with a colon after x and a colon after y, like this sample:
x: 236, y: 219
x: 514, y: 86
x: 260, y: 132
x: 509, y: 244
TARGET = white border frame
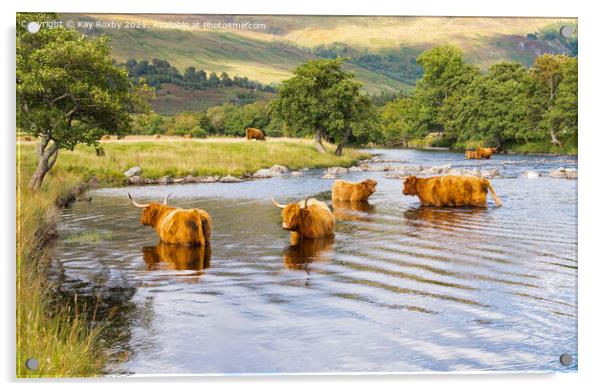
x: 589, y: 213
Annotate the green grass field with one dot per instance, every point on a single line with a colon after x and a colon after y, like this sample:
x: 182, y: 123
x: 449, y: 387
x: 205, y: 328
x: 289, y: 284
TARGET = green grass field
x: 181, y: 157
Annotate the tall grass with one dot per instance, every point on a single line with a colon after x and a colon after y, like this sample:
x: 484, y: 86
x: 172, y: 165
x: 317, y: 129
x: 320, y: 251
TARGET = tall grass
x: 63, y: 342
x: 191, y: 157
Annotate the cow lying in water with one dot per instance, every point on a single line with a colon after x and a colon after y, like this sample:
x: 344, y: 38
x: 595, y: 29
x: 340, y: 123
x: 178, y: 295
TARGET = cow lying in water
x: 307, y: 219
x: 348, y: 191
x: 176, y: 225
x: 450, y: 190
x: 255, y: 134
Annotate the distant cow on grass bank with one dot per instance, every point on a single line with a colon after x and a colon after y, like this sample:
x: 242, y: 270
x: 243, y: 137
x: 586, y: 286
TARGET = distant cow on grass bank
x: 255, y: 134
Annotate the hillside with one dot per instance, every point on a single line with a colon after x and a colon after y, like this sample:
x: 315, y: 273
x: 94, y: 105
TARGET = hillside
x: 269, y: 62
x: 172, y: 99
x: 373, y: 44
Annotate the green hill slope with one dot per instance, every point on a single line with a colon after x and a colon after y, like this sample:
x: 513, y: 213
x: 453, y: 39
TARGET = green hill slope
x: 269, y: 54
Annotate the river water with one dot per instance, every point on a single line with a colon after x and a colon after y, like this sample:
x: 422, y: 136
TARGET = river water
x: 399, y: 289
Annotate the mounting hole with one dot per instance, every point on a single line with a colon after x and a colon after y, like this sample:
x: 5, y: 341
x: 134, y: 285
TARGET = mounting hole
x: 32, y: 364
x: 567, y: 31
x: 33, y: 27
x: 566, y: 359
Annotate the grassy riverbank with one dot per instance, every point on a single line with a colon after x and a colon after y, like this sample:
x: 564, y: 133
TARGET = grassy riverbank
x: 179, y: 157
x: 63, y: 343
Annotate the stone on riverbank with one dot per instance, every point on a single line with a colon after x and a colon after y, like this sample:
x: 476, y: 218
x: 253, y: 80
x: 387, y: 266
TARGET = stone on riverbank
x: 134, y: 171
x: 275, y: 170
x: 329, y: 176
x: 207, y: 179
x: 135, y: 180
x: 166, y: 180
x: 230, y: 179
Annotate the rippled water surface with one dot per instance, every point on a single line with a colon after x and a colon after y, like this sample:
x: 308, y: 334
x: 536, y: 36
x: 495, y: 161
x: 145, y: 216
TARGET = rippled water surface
x: 400, y: 288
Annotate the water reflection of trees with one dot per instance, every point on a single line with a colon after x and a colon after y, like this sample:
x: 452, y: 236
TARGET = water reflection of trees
x: 164, y: 256
x: 299, y: 257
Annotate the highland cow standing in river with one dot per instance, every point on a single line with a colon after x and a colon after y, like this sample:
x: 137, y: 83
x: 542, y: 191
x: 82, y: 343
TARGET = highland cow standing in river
x: 348, y: 191
x: 450, y: 190
x: 307, y: 219
x: 485, y: 153
x: 176, y: 225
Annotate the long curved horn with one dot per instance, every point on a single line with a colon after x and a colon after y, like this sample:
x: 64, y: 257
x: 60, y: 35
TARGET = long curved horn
x: 165, y: 200
x: 305, y: 207
x: 135, y: 203
x: 277, y: 204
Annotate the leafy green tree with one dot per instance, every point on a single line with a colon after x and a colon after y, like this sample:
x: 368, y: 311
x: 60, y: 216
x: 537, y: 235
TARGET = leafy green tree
x: 213, y: 80
x: 190, y: 75
x: 320, y: 99
x: 445, y: 74
x: 556, y: 76
x: 149, y: 123
x: 395, y: 122
x: 225, y: 79
x: 495, y: 108
x: 69, y: 91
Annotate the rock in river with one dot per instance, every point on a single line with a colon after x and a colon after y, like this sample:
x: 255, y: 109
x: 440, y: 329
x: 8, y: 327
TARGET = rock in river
x: 337, y: 170
x: 568, y: 173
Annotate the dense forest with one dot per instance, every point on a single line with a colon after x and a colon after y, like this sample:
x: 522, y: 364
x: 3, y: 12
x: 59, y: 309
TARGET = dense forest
x: 157, y: 72
x: 454, y: 105
x: 399, y: 65
x: 506, y: 106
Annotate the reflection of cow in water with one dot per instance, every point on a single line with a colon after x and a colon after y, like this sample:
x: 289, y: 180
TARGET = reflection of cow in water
x: 444, y: 218
x: 165, y: 256
x: 352, y: 210
x: 298, y: 257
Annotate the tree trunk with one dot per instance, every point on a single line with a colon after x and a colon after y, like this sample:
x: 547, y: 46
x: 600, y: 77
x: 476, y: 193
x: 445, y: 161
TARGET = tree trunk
x: 339, y: 150
x: 318, y: 139
x: 47, y: 156
x: 554, y: 139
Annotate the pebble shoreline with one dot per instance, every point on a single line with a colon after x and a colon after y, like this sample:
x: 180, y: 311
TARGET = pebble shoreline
x: 134, y: 174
